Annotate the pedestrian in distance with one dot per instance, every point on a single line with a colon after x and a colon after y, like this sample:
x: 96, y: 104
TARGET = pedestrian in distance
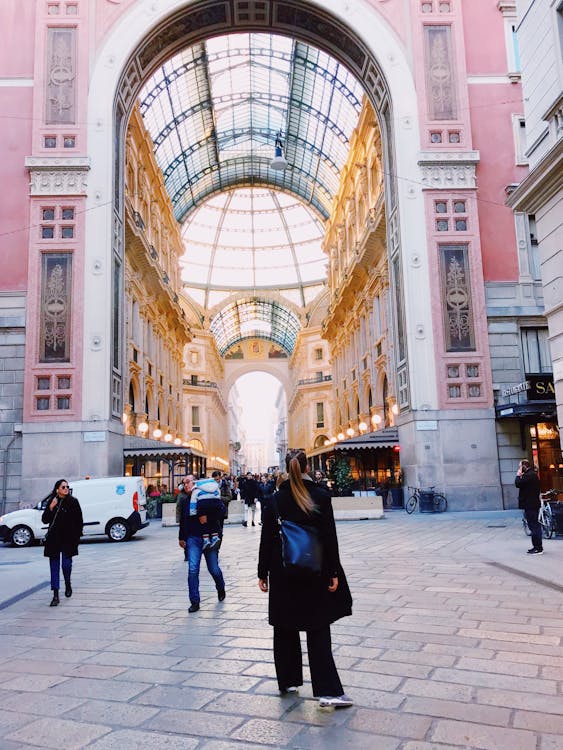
x: 64, y: 516
x: 190, y: 538
x: 250, y: 493
x: 529, y: 489
x: 309, y: 604
x: 319, y: 478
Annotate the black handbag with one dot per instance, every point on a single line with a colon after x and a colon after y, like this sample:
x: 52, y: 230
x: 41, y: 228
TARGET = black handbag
x: 302, y: 550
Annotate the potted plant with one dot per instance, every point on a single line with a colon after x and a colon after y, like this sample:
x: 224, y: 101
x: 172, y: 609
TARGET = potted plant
x: 341, y: 476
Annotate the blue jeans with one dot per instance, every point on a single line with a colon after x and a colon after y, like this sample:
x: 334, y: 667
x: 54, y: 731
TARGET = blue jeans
x: 55, y: 563
x: 194, y: 546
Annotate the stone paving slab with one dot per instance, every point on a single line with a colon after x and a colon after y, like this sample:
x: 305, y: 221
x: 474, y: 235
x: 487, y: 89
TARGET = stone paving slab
x: 455, y: 644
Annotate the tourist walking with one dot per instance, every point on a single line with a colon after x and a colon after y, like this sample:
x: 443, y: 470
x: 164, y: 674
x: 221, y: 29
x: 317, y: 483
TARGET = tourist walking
x: 190, y: 538
x: 64, y: 516
x: 309, y: 604
x: 528, y: 484
x: 251, y: 492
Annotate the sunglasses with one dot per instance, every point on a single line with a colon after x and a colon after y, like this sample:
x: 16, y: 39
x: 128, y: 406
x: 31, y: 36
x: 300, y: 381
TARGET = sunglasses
x: 64, y: 487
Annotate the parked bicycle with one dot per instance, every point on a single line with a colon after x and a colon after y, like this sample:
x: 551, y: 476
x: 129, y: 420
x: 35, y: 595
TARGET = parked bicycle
x: 545, y: 514
x: 439, y: 502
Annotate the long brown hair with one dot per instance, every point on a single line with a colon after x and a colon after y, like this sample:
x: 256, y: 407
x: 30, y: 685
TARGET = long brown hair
x: 296, y: 464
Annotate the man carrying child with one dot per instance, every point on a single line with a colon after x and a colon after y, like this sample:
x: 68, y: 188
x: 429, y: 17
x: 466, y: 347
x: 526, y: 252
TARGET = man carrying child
x: 201, y: 512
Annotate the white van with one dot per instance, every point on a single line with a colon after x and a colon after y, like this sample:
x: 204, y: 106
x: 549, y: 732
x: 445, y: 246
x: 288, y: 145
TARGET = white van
x: 111, y: 505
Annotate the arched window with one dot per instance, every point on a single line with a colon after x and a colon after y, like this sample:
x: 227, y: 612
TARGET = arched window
x: 370, y: 399
x: 320, y: 441
x: 357, y: 408
x: 131, y: 397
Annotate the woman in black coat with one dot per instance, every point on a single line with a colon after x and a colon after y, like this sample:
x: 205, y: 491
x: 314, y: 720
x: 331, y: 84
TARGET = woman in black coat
x: 310, y: 604
x: 64, y: 516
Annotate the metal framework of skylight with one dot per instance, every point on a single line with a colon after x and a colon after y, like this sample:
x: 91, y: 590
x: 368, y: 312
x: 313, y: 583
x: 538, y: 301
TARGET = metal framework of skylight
x: 251, y: 318
x: 214, y: 110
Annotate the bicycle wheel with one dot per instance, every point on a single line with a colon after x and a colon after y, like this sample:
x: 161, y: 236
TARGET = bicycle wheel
x: 526, y: 527
x: 547, y: 525
x: 440, y: 503
x: 410, y: 505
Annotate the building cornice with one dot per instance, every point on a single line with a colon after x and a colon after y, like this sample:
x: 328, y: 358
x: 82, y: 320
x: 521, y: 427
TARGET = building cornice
x: 543, y: 182
x: 450, y: 169
x: 507, y: 7
x: 58, y: 175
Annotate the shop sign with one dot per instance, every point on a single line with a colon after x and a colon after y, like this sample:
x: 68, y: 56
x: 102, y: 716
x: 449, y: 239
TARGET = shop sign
x: 428, y: 424
x: 94, y: 437
x: 541, y: 387
x: 514, y: 389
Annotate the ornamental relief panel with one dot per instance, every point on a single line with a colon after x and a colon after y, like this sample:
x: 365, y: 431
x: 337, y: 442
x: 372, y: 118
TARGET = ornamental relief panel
x: 60, y: 105
x: 58, y: 182
x: 440, y: 77
x: 448, y: 176
x: 56, y: 277
x: 457, y: 299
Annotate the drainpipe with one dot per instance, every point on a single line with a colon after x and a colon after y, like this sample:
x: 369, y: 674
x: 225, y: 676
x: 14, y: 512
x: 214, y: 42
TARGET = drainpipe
x: 17, y: 433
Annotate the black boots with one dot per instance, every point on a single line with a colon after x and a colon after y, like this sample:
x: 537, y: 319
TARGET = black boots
x: 55, y: 599
x: 68, y: 589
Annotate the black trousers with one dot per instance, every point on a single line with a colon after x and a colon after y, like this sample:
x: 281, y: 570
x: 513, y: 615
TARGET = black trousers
x: 289, y: 660
x: 535, y: 527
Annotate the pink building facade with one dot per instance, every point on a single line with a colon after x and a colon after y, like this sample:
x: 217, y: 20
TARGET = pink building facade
x: 442, y: 77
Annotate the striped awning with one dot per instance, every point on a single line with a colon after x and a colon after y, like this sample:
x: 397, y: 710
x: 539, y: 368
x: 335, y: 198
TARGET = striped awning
x: 386, y: 438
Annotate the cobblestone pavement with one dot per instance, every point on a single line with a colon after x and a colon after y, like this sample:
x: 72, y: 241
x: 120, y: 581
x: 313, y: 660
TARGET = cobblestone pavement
x: 455, y: 642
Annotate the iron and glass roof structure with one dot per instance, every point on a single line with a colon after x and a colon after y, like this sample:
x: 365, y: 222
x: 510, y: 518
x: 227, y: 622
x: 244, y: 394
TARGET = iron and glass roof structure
x: 254, y: 318
x: 253, y: 239
x: 214, y: 112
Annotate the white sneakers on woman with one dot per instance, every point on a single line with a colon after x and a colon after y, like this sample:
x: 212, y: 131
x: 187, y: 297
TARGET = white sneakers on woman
x: 335, y: 701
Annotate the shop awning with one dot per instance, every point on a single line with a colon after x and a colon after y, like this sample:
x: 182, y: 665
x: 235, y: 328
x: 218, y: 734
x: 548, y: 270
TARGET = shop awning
x: 386, y: 438
x: 135, y: 447
x: 545, y: 410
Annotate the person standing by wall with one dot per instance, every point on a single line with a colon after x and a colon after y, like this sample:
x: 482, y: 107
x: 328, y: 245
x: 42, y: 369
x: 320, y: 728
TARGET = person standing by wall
x: 309, y: 604
x: 528, y: 484
x: 64, y: 516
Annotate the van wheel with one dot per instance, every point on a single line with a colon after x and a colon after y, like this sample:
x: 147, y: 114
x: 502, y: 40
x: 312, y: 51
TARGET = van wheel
x: 22, y: 536
x: 118, y: 530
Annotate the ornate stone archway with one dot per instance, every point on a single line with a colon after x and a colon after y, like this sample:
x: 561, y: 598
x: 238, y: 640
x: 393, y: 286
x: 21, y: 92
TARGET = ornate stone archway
x: 356, y: 35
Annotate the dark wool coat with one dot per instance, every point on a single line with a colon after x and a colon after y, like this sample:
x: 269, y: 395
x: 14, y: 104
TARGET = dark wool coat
x: 296, y: 604
x: 65, y: 527
x: 528, y: 490
x: 250, y: 491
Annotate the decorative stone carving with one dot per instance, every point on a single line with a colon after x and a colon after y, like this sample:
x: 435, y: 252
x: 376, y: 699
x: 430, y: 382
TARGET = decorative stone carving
x: 448, y: 170
x: 440, y: 79
x: 58, y: 176
x: 457, y: 304
x: 55, y: 306
x: 60, y: 106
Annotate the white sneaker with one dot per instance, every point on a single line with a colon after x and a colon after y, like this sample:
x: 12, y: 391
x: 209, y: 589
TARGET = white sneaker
x: 335, y: 701
x: 289, y: 690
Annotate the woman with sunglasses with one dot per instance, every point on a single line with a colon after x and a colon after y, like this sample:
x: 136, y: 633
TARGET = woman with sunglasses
x: 64, y: 516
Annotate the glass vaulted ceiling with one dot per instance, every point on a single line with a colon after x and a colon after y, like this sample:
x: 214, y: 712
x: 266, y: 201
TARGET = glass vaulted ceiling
x: 213, y: 112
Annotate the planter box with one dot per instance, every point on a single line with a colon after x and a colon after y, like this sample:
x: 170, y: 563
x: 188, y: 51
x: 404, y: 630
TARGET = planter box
x: 353, y: 508
x: 345, y: 509
x: 169, y: 514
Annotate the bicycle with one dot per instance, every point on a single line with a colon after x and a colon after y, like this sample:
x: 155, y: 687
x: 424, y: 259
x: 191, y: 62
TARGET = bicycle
x: 439, y: 502
x: 545, y: 515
